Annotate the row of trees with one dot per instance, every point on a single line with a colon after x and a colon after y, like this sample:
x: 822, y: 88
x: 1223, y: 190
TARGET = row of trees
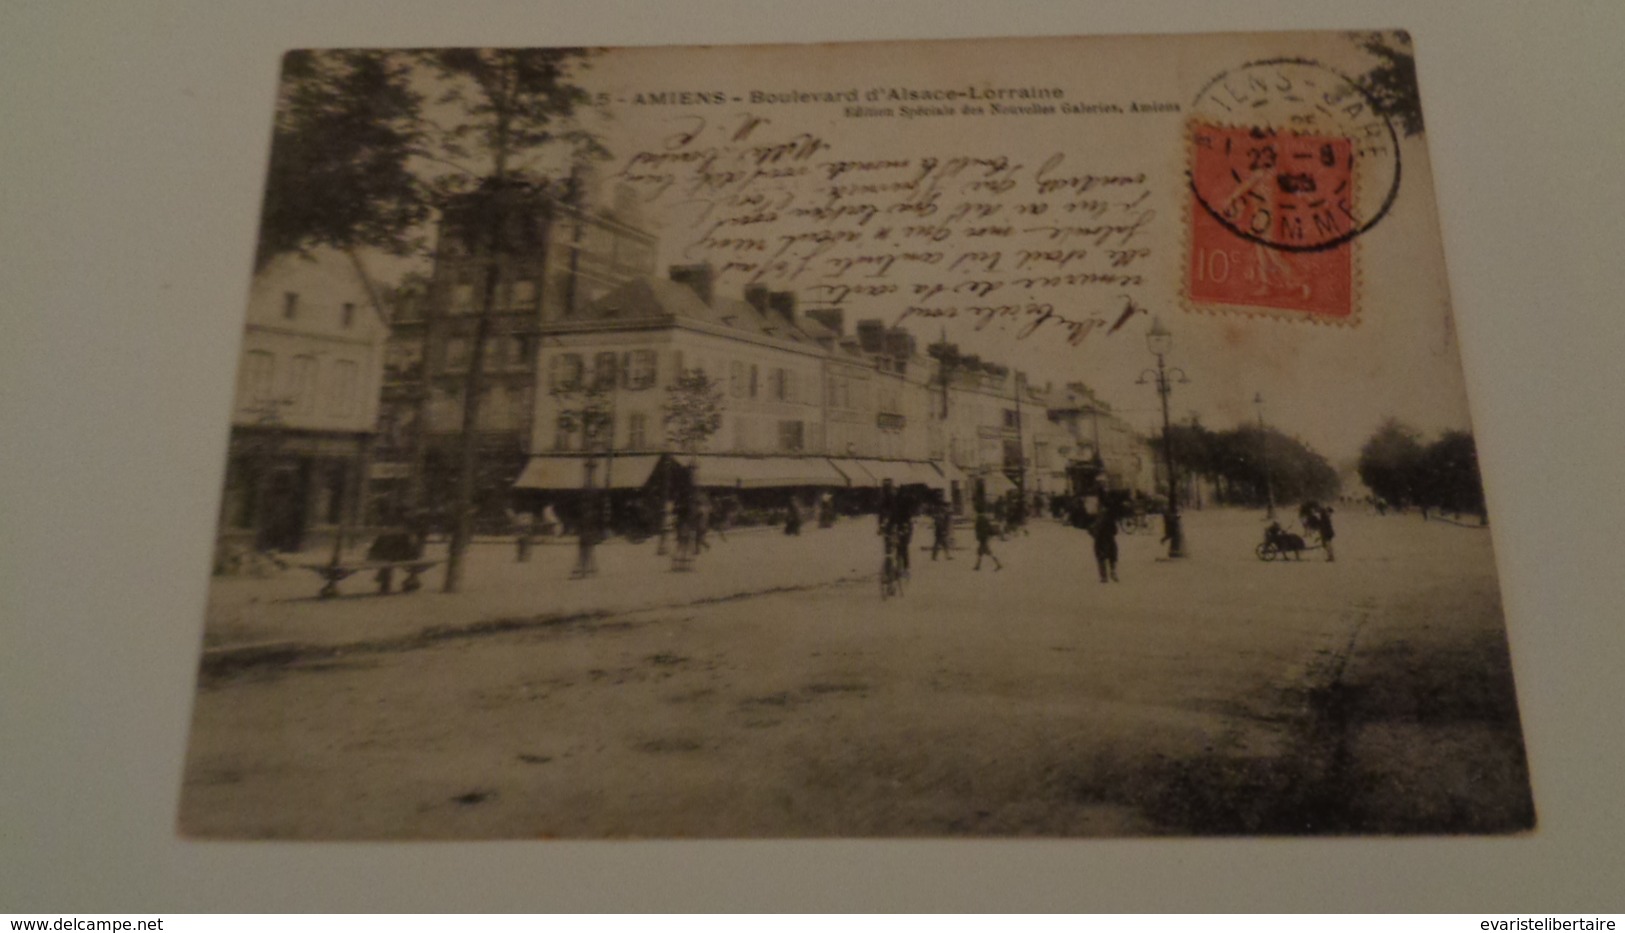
x: 1404, y: 472
x: 1249, y: 465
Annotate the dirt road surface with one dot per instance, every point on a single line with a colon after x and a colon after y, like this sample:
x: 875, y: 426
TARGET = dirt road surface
x: 1213, y: 695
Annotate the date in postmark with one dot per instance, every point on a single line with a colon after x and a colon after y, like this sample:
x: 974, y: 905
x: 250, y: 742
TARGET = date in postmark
x: 1289, y: 164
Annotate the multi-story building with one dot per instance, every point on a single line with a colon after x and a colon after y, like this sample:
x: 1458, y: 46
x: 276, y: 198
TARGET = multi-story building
x: 306, y: 406
x: 552, y: 262
x: 608, y: 376
x: 1108, y: 452
x: 800, y: 402
x: 584, y: 344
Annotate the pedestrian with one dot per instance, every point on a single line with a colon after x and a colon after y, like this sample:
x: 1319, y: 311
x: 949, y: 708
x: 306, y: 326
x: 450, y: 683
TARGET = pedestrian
x: 902, y: 526
x: 587, y: 531
x: 1104, y: 533
x: 524, y: 535
x: 702, y: 521
x: 1326, y: 531
x: 984, y: 538
x: 1309, y: 516
x: 683, y: 554
x: 792, y: 518
x: 941, y: 527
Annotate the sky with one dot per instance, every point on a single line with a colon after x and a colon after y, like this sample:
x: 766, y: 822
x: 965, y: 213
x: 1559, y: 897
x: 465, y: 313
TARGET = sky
x: 739, y: 155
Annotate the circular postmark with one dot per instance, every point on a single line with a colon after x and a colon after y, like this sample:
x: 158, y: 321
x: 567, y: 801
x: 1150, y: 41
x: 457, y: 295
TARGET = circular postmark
x: 1292, y: 155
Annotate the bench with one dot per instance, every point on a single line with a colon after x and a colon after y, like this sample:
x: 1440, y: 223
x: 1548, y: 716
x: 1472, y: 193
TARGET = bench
x: 334, y: 572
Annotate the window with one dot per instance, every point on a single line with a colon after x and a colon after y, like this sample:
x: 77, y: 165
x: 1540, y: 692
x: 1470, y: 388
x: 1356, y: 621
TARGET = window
x: 456, y: 353
x: 600, y: 430
x: 290, y: 305
x: 640, y: 372
x: 239, y: 497
x: 524, y: 292
x: 337, y: 474
x: 518, y: 351
x: 341, y: 394
x: 258, y: 368
x: 563, y: 433
x: 347, y: 315
x: 753, y: 374
x: 495, y: 409
x: 736, y: 379
x: 565, y: 372
x: 462, y: 294
x: 637, y: 425
x: 445, y: 409
x: 302, y: 384
x: 778, y: 385
x: 791, y: 436
x: 1010, y: 418
x: 604, y: 366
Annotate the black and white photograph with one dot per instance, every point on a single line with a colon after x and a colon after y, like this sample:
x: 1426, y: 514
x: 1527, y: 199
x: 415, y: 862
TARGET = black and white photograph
x: 1053, y: 437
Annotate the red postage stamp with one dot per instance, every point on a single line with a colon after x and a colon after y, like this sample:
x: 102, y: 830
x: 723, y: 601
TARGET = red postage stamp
x: 1290, y: 163
x: 1269, y: 219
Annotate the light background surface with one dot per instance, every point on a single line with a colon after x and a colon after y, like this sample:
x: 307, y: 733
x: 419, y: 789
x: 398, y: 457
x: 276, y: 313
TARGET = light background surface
x: 133, y: 141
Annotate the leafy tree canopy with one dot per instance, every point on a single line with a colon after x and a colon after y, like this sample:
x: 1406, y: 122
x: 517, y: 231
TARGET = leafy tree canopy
x: 1392, y: 83
x: 346, y: 127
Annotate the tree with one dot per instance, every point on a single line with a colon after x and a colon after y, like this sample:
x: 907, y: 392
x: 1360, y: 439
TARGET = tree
x: 1450, y: 478
x: 1390, y: 464
x: 693, y: 410
x: 1235, y: 462
x: 1392, y: 83
x: 509, y: 104
x: 346, y: 128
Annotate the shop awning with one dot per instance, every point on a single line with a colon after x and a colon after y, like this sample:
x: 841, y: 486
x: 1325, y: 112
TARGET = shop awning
x: 630, y: 471
x: 763, y: 472
x: 895, y: 470
x: 856, y: 476
x: 997, y: 484
x: 927, y: 475
x: 952, y: 474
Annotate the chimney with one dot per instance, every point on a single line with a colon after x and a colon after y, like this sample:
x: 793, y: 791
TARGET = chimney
x: 784, y: 303
x: 697, y: 277
x: 872, y: 336
x: 831, y: 318
x: 756, y: 295
x: 899, y: 343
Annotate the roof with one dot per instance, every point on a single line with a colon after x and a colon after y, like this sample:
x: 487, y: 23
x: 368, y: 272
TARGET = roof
x: 649, y: 298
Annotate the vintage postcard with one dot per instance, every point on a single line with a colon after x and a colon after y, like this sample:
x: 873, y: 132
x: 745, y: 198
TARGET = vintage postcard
x: 992, y: 438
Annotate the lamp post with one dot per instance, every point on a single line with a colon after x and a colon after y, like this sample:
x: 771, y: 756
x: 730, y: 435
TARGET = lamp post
x: 1264, y: 457
x: 1160, y: 342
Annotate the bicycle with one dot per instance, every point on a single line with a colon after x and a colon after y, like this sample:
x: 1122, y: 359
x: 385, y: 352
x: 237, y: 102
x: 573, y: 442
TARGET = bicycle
x: 1134, y: 523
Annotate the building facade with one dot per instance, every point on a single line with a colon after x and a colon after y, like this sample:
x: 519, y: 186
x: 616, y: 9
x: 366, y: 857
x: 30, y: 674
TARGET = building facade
x: 544, y: 262
x: 801, y: 401
x: 305, y: 412
x: 584, y: 344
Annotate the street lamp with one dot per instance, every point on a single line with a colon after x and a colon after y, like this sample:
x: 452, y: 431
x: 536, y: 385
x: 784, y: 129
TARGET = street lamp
x: 1160, y: 342
x: 1264, y: 457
